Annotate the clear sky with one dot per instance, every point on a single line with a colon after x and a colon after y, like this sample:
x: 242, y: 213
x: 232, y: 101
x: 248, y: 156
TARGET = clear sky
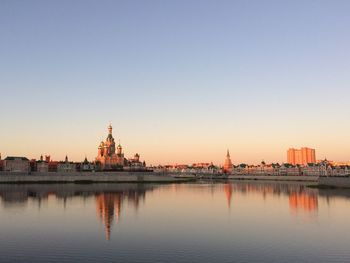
x: 180, y: 81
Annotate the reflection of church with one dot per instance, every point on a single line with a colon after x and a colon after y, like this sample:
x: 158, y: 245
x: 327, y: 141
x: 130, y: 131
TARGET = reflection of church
x: 107, y: 158
x: 109, y: 206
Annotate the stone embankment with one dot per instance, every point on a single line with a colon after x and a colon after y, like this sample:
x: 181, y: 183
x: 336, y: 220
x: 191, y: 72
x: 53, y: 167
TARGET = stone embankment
x: 337, y: 182
x: 150, y: 177
x: 275, y: 178
x: 316, y: 181
x: 90, y: 177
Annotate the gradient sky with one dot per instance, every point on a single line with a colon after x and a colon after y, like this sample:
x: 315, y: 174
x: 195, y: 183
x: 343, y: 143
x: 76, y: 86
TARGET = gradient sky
x: 180, y: 81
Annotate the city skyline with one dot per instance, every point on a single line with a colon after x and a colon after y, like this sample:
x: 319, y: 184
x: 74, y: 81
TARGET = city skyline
x: 285, y: 159
x: 107, y: 149
x: 181, y: 82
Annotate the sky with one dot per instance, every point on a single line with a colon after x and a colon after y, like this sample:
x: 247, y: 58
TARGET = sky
x: 180, y: 81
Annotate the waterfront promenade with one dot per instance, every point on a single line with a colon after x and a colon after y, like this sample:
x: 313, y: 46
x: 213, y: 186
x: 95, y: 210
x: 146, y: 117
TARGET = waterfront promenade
x: 275, y: 178
x: 151, y: 177
x: 91, y: 177
x: 320, y: 181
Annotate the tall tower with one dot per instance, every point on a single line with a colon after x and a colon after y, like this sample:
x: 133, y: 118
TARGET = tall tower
x: 228, y: 164
x: 119, y: 149
x: 110, y: 128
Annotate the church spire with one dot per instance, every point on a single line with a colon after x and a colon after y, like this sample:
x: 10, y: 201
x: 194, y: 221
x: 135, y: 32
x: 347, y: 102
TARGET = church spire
x: 228, y: 163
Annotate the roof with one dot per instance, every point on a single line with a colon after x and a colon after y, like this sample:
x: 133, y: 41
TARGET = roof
x: 12, y: 158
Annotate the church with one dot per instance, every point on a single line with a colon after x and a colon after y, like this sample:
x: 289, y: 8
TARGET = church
x: 107, y: 157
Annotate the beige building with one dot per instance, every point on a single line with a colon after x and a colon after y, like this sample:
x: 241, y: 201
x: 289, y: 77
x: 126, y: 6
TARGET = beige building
x: 16, y: 164
x: 42, y: 166
x: 301, y: 156
x: 86, y: 166
x: 135, y: 164
x: 66, y: 166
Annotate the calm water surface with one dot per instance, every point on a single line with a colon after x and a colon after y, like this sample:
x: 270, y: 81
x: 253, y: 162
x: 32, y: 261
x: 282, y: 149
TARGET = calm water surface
x: 204, y: 222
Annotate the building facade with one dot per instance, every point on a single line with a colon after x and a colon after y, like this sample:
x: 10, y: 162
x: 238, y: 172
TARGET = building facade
x: 66, y: 166
x: 107, y: 157
x: 42, y: 165
x: 135, y: 164
x: 16, y: 164
x: 86, y: 166
x: 1, y: 164
x: 227, y: 168
x: 301, y: 156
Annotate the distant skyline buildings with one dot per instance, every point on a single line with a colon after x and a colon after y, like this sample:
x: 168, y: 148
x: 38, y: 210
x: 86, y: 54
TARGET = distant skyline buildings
x: 302, y: 156
x: 228, y: 74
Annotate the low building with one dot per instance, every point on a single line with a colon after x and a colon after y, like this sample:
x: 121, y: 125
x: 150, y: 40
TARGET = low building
x: 135, y: 164
x: 42, y: 166
x: 66, y: 166
x: 32, y: 164
x: 16, y: 164
x: 86, y: 166
x: 1, y: 164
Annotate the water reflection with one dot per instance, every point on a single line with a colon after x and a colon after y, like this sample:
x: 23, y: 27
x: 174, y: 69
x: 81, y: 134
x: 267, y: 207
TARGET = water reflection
x: 241, y: 221
x: 109, y: 205
x: 228, y: 192
x: 301, y: 198
x: 302, y: 201
x: 110, y: 198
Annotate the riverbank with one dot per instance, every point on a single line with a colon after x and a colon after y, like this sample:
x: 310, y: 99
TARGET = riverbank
x: 85, y: 178
x: 275, y: 178
x: 150, y: 177
x: 334, y: 182
x: 314, y: 181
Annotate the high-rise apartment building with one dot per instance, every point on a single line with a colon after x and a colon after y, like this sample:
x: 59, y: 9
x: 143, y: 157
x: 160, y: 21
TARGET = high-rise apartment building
x: 301, y: 156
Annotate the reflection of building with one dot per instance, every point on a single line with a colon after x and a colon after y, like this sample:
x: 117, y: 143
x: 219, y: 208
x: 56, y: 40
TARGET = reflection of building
x: 307, y: 202
x: 228, y: 192
x: 228, y: 164
x: 107, y: 158
x: 108, y: 205
x: 299, y: 196
x: 16, y: 164
x: 109, y: 198
x: 301, y: 156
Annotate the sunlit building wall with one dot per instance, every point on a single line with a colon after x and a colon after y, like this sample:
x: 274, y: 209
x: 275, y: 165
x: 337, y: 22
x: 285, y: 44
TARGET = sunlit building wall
x: 301, y: 156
